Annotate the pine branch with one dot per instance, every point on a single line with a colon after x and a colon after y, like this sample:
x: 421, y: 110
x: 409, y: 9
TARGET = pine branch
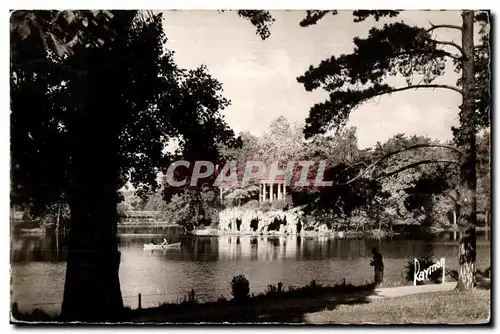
x: 458, y: 47
x: 394, y: 90
x: 353, y: 165
x: 388, y: 155
x: 447, y: 26
x: 436, y: 53
x: 415, y: 164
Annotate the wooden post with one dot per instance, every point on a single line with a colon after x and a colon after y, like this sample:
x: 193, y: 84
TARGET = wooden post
x: 139, y: 301
x: 444, y: 270
x: 415, y: 262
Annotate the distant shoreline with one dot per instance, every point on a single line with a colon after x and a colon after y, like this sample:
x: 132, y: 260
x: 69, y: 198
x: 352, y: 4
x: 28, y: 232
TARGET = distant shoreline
x: 211, y: 232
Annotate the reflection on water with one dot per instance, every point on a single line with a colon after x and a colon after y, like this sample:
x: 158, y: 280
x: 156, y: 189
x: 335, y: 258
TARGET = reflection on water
x: 207, y: 264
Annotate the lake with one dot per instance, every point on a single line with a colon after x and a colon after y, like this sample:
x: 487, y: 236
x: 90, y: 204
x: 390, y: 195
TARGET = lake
x: 207, y: 264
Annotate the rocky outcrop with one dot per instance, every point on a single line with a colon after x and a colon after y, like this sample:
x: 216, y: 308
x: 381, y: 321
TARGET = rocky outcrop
x: 254, y: 221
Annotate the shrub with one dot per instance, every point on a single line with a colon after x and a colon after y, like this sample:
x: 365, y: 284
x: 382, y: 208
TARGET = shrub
x: 221, y: 299
x: 252, y: 204
x: 275, y: 225
x: 299, y: 226
x: 274, y: 290
x: 265, y: 206
x: 254, y: 224
x: 279, y: 205
x: 122, y: 209
x: 240, y: 288
x: 425, y: 262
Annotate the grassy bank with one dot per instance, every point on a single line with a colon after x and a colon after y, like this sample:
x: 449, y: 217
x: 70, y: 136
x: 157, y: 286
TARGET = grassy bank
x: 357, y: 307
x: 308, y: 304
x: 430, y: 308
x: 276, y: 301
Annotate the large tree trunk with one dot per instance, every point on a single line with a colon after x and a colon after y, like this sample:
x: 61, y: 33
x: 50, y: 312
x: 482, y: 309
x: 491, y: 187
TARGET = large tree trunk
x: 92, y: 288
x: 467, y: 247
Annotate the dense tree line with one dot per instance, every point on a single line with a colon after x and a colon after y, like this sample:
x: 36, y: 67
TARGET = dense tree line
x: 362, y: 197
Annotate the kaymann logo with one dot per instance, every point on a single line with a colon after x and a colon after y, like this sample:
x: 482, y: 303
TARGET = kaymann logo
x: 424, y: 274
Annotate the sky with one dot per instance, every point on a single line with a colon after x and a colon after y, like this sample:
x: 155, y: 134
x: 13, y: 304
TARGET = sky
x: 259, y: 77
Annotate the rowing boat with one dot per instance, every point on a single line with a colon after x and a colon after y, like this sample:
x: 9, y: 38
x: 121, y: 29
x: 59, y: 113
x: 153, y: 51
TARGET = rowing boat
x: 160, y: 247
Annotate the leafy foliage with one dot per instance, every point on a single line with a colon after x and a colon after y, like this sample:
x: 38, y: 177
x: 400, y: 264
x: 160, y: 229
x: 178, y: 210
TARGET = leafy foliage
x: 163, y: 102
x: 352, y: 79
x: 85, y: 122
x: 240, y: 288
x: 261, y: 19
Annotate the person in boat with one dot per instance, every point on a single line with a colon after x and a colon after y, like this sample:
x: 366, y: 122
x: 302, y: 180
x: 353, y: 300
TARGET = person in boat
x: 164, y: 242
x: 378, y: 266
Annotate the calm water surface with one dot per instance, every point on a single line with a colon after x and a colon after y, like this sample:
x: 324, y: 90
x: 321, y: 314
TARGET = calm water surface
x: 207, y: 264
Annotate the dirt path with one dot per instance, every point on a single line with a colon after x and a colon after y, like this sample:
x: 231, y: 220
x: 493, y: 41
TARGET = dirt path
x: 410, y: 290
x: 391, y: 293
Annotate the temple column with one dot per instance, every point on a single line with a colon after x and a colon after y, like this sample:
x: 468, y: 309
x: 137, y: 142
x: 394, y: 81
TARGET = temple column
x: 271, y: 191
x: 264, y: 186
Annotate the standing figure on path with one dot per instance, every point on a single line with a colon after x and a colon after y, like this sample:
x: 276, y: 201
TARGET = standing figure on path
x: 378, y: 266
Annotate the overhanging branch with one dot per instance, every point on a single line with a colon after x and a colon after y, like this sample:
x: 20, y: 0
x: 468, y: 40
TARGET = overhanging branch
x: 394, y: 90
x: 458, y: 47
x: 415, y: 164
x: 447, y: 26
x: 432, y: 52
x: 388, y: 155
x: 452, y: 56
x: 353, y: 165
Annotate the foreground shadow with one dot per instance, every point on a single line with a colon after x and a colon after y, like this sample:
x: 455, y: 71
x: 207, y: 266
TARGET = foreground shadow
x: 277, y: 307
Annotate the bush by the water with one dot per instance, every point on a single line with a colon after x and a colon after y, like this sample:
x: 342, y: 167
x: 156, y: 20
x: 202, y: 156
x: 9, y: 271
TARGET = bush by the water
x: 252, y: 204
x: 275, y: 225
x: 265, y: 206
x: 425, y: 262
x: 240, y: 287
x: 254, y: 224
x: 279, y: 205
